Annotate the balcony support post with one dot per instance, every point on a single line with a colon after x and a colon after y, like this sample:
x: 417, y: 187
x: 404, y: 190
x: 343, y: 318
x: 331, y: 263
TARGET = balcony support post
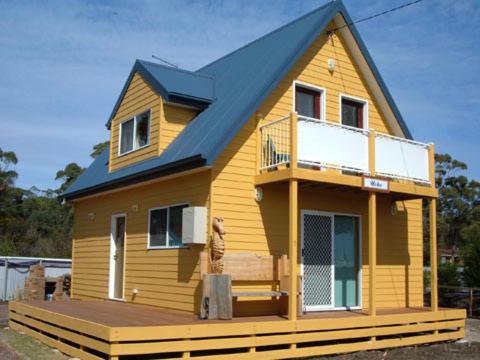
x: 293, y: 248
x: 372, y: 229
x: 293, y: 140
x: 293, y: 223
x: 372, y: 252
x: 433, y: 255
x: 431, y: 164
x: 371, y: 152
x: 258, y: 134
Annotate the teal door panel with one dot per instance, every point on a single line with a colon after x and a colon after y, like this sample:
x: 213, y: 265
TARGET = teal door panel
x: 346, y: 261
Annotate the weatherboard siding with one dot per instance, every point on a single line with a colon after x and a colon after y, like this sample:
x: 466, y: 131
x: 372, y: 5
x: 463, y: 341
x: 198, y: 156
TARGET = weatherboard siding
x: 168, y: 278
x: 138, y: 98
x: 166, y: 122
x: 312, y: 69
x: 262, y: 228
x: 172, y: 121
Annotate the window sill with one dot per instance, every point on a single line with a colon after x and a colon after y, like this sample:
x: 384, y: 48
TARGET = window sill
x: 132, y: 151
x: 167, y: 247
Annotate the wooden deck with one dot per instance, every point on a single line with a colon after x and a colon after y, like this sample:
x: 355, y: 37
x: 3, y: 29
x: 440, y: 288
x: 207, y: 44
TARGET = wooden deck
x: 95, y: 330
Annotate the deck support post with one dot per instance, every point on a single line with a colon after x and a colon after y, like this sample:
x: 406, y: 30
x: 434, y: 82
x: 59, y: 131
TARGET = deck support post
x: 293, y: 223
x: 293, y: 248
x: 433, y: 255
x: 372, y: 252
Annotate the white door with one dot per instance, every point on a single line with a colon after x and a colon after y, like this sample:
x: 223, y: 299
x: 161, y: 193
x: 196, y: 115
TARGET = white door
x: 317, y: 260
x: 117, y: 256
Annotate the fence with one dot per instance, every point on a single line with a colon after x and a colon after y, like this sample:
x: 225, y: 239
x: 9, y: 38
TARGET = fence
x: 460, y: 296
x: 14, y: 271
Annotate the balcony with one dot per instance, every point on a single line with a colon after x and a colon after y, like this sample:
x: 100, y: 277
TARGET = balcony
x: 344, y: 154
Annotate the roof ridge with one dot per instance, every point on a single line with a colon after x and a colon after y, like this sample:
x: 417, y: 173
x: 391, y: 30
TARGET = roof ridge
x: 267, y: 34
x: 174, y: 69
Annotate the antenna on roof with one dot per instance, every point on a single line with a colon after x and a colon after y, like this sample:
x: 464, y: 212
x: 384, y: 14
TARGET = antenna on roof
x: 165, y: 61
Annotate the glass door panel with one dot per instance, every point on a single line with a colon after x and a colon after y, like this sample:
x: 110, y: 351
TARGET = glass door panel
x: 346, y: 261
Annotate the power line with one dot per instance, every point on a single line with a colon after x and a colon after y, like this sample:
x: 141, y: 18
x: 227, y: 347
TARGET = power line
x: 375, y: 16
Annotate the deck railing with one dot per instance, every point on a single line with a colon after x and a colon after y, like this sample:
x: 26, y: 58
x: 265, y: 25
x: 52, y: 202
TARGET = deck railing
x: 324, y: 144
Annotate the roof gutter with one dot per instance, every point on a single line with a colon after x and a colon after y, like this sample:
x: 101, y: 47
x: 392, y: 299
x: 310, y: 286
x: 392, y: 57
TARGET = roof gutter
x: 186, y: 164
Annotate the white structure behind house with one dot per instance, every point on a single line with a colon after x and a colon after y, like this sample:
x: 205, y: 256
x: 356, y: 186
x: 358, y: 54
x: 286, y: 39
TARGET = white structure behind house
x: 14, y: 271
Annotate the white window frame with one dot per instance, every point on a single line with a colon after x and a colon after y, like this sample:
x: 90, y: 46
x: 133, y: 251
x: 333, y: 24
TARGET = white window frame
x: 166, y: 246
x: 342, y: 96
x: 319, y: 89
x: 135, y: 120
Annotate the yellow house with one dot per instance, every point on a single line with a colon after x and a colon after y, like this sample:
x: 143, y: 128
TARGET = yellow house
x: 296, y: 143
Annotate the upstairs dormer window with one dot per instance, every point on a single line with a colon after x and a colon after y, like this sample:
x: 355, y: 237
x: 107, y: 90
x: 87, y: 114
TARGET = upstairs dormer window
x: 135, y: 133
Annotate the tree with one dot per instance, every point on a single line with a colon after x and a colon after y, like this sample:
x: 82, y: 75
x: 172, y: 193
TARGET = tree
x: 7, y: 176
x: 69, y: 174
x: 471, y: 251
x: 457, y: 197
x: 98, y: 149
x: 448, y: 275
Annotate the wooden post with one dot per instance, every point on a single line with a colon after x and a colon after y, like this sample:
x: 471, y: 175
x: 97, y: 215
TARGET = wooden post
x: 372, y: 252
x: 433, y: 255
x: 293, y: 247
x: 431, y: 164
x: 371, y: 152
x: 470, y: 304
x: 259, y: 146
x: 293, y: 139
x: 216, y: 297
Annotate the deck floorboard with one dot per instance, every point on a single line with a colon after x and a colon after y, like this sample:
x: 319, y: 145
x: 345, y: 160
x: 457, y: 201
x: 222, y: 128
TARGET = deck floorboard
x: 119, y: 314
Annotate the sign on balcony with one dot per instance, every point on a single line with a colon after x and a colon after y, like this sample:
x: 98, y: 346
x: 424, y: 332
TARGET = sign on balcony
x: 374, y: 184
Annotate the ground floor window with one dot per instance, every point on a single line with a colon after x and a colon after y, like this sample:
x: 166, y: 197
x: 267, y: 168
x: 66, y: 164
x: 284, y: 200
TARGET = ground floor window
x: 165, y: 226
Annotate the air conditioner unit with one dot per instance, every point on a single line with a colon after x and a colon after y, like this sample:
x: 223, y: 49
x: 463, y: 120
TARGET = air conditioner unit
x: 194, y: 225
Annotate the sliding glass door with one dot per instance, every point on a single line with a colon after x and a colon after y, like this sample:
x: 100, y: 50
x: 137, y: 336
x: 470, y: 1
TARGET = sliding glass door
x: 330, y: 261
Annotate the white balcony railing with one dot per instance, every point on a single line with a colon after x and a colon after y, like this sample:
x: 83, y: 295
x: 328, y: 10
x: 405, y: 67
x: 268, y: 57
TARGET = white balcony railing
x: 331, y: 145
x: 399, y: 158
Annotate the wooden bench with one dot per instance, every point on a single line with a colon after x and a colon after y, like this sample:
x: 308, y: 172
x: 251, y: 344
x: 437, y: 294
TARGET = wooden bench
x: 254, y: 269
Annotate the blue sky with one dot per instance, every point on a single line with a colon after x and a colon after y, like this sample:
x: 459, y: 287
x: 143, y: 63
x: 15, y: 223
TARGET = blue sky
x: 64, y: 63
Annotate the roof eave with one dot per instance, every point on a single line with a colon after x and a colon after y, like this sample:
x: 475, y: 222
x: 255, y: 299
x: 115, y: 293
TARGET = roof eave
x: 184, y: 99
x: 186, y: 164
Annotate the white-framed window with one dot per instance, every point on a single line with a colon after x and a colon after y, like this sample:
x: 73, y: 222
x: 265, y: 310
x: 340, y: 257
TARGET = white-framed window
x: 353, y: 111
x: 165, y: 226
x: 309, y: 100
x: 134, y: 133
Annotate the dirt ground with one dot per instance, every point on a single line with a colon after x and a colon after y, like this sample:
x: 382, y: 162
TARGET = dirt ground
x: 15, y: 346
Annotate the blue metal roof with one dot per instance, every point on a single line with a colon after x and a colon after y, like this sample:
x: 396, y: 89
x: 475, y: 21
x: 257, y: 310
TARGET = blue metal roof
x: 242, y: 81
x: 173, y: 85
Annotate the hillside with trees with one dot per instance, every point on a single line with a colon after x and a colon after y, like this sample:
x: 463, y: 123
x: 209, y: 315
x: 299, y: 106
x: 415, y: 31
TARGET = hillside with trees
x: 35, y: 222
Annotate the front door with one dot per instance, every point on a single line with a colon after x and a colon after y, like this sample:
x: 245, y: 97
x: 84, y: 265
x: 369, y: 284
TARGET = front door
x: 330, y: 261
x: 117, y: 254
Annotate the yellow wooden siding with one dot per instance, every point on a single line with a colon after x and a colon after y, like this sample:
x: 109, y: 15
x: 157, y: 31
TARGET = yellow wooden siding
x: 138, y: 98
x: 312, y: 69
x: 262, y: 227
x: 173, y: 121
x: 166, y: 278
